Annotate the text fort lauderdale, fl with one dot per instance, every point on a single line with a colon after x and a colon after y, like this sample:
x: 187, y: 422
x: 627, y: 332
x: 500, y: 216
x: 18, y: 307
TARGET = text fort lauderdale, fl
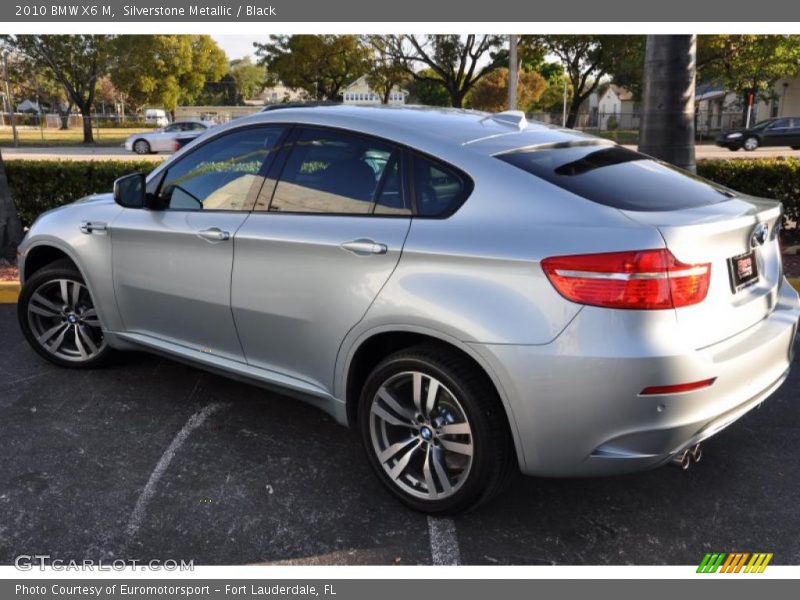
x: 199, y: 10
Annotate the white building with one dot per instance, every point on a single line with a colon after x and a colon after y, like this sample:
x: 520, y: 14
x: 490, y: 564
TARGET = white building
x: 359, y: 92
x: 783, y: 101
x: 616, y: 102
x: 718, y: 109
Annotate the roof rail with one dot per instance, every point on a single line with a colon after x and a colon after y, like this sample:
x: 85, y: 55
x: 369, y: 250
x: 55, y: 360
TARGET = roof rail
x: 269, y: 107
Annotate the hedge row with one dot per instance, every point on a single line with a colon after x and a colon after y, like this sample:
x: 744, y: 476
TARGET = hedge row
x: 37, y: 186
x: 777, y: 178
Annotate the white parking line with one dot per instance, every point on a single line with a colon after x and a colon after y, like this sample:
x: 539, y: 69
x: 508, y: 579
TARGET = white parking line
x: 444, y: 542
x: 197, y: 419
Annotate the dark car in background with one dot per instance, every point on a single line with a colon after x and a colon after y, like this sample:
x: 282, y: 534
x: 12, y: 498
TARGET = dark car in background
x: 781, y: 131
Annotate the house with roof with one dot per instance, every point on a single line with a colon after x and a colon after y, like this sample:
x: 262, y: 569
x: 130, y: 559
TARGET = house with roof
x: 719, y: 109
x: 617, y: 103
x: 359, y: 92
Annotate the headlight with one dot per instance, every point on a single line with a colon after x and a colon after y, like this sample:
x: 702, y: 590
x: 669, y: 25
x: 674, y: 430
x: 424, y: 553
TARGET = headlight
x: 733, y: 136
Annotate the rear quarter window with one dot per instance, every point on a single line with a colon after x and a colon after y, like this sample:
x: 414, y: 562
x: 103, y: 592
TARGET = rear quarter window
x: 616, y: 176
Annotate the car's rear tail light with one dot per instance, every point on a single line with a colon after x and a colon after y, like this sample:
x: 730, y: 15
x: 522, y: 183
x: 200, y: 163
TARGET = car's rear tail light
x: 678, y: 388
x: 640, y: 279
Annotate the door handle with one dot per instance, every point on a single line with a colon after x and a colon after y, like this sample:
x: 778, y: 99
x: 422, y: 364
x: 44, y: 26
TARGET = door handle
x: 214, y: 234
x: 91, y: 226
x: 364, y: 247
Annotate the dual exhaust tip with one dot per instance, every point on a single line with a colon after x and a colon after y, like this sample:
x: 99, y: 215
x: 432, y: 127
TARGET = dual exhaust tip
x: 685, y: 458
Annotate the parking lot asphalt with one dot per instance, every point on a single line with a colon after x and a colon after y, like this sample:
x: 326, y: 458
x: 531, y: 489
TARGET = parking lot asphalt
x: 150, y: 459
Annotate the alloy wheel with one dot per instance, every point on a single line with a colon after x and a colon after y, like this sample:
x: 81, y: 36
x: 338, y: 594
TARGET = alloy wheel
x: 63, y: 320
x: 421, y: 435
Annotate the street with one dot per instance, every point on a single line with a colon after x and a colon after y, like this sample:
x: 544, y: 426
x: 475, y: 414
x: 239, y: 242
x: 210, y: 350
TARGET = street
x: 703, y: 151
x: 148, y: 458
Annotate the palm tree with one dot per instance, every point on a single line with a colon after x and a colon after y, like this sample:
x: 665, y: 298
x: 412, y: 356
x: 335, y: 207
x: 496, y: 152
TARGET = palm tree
x: 667, y: 130
x: 10, y: 227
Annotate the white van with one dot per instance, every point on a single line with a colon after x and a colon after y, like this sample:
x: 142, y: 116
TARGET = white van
x: 156, y: 116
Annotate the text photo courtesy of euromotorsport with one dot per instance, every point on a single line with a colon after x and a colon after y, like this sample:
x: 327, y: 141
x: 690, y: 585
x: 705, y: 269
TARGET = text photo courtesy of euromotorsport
x: 186, y: 591
x: 200, y: 10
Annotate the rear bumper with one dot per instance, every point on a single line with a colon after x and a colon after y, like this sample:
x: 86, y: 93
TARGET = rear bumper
x: 576, y: 405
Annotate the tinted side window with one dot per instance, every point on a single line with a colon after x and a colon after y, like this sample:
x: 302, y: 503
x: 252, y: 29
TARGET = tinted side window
x: 617, y: 177
x: 781, y: 124
x: 438, y: 189
x: 332, y: 172
x: 219, y: 174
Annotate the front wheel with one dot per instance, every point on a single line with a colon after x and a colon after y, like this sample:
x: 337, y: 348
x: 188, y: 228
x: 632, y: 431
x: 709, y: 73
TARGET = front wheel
x: 141, y: 147
x: 750, y: 144
x: 58, y: 317
x: 435, y: 431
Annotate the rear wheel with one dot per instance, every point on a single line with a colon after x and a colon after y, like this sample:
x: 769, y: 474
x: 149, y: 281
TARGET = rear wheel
x: 141, y: 147
x: 435, y: 431
x: 58, y: 317
x: 795, y: 147
x: 750, y: 144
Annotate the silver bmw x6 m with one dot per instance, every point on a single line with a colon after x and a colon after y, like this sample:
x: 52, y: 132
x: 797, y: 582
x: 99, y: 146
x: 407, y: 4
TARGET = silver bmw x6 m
x: 473, y: 292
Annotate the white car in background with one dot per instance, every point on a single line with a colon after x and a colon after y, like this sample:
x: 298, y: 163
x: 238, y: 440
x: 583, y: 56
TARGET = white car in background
x: 163, y: 140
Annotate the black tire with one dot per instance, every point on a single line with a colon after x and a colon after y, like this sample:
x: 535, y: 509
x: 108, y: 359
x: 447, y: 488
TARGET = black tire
x: 493, y: 459
x: 142, y: 147
x: 753, y: 143
x: 39, y: 281
x: 795, y: 147
x: 733, y: 148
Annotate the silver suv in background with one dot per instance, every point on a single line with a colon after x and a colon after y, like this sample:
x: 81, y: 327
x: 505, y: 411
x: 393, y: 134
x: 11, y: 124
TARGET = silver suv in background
x: 473, y: 292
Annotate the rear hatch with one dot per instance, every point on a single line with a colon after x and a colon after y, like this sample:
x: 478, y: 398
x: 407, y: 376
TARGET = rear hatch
x: 739, y: 239
x: 702, y: 224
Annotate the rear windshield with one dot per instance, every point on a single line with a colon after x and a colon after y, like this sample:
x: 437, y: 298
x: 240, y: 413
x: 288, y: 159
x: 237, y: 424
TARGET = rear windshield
x: 616, y: 176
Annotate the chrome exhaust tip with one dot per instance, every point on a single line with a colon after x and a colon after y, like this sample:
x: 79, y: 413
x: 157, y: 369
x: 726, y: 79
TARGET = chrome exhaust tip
x: 696, y: 452
x: 682, y: 459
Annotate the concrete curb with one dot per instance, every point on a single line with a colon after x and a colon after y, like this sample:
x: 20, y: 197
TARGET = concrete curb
x: 9, y: 290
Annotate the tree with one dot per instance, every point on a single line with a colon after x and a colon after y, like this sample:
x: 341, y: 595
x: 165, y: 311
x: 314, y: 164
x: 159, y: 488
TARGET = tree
x: 428, y: 90
x: 166, y: 70
x: 386, y: 71
x: 248, y: 77
x: 76, y: 62
x: 10, y: 227
x: 748, y: 64
x: 30, y: 79
x: 321, y: 65
x: 586, y: 59
x: 457, y: 62
x: 668, y: 117
x: 491, y: 92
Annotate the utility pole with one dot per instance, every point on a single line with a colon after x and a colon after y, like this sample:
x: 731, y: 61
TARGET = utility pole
x: 10, y: 100
x: 513, y: 72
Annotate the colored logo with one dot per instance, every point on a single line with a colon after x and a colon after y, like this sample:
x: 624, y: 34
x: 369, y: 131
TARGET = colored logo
x: 736, y: 562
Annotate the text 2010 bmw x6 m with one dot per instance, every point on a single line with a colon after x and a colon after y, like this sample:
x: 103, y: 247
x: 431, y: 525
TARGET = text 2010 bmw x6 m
x: 471, y: 291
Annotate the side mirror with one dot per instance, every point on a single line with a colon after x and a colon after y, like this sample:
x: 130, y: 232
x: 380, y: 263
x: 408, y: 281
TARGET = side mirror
x: 129, y: 191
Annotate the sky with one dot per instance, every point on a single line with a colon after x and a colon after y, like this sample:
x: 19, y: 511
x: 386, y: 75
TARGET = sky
x: 237, y: 46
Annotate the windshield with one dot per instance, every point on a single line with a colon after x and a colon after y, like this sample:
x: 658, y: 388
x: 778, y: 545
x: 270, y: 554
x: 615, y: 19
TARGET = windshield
x: 615, y: 176
x: 762, y: 124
